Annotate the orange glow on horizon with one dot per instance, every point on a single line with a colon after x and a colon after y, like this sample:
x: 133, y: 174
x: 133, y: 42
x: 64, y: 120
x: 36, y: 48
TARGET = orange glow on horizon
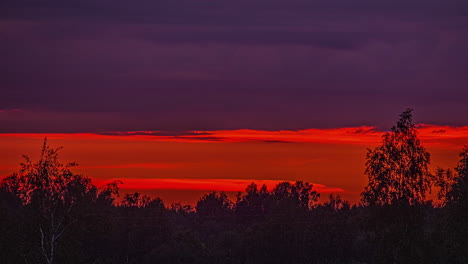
x: 228, y: 160
x: 347, y: 135
x: 227, y: 185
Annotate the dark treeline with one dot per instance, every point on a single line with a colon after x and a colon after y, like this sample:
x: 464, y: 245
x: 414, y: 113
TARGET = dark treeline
x: 48, y: 214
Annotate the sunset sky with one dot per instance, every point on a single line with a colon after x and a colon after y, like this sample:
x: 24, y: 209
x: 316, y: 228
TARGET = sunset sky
x: 179, y: 97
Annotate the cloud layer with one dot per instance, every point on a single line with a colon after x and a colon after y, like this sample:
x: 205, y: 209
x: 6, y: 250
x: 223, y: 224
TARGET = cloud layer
x: 429, y: 134
x: 88, y: 66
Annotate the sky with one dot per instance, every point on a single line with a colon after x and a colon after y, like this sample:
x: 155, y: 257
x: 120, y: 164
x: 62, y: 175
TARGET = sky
x: 229, y: 90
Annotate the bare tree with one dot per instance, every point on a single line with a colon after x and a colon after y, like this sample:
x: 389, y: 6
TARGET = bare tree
x: 52, y: 191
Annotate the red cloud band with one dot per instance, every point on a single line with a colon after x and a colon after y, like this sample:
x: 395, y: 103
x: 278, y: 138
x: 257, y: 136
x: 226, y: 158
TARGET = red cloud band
x: 228, y: 185
x: 348, y: 135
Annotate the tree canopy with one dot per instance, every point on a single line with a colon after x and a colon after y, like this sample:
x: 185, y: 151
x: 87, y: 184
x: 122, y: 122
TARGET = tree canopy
x: 458, y: 193
x: 49, y: 214
x: 398, y: 168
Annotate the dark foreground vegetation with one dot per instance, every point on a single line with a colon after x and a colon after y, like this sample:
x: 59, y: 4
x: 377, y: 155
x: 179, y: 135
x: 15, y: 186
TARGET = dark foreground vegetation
x: 48, y: 214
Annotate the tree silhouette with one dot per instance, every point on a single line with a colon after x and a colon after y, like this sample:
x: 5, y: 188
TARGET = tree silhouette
x: 455, y: 222
x: 135, y: 200
x: 398, y: 169
x: 458, y: 193
x: 300, y: 193
x: 253, y: 205
x: 53, y: 194
x: 335, y: 203
x: 444, y: 180
x: 213, y: 204
x: 48, y: 214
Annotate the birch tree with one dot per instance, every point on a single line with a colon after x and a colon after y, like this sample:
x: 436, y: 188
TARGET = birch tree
x: 53, y: 193
x: 398, y: 168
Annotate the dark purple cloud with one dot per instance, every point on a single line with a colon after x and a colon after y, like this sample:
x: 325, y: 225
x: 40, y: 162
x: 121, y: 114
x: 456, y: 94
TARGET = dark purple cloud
x: 155, y: 133
x: 182, y: 65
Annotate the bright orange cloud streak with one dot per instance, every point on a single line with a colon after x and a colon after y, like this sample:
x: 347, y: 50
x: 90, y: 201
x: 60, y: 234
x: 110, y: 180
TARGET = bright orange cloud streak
x: 228, y: 185
x: 177, y: 161
x: 135, y: 165
x: 349, y: 135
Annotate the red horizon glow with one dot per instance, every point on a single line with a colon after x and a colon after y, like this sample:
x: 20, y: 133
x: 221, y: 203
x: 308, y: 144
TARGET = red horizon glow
x: 333, y: 159
x: 226, y: 185
x: 351, y: 135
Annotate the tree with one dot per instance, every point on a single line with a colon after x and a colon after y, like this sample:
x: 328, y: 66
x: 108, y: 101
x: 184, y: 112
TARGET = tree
x: 444, y: 180
x: 135, y: 200
x: 398, y: 168
x: 458, y: 193
x: 335, y: 203
x: 300, y: 193
x: 55, y: 196
x: 213, y: 205
x: 253, y: 205
x: 453, y: 223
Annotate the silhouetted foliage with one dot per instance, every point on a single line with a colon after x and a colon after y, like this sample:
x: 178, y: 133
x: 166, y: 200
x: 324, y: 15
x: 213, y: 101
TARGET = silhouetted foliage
x: 48, y: 214
x: 213, y: 204
x: 135, y: 200
x: 458, y: 194
x: 398, y: 169
x: 54, y: 201
x: 444, y: 180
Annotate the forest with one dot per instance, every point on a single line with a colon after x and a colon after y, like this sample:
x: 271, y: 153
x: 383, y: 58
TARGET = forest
x: 49, y: 214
